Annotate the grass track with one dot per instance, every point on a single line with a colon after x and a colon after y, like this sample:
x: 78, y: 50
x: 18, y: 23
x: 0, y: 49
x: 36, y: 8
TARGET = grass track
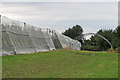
x: 61, y: 64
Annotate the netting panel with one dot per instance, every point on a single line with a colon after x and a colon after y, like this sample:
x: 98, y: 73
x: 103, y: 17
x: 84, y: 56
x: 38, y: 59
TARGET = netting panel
x: 19, y: 38
x: 38, y: 39
x: 7, y: 46
x: 0, y: 37
x: 48, y: 37
x: 56, y: 40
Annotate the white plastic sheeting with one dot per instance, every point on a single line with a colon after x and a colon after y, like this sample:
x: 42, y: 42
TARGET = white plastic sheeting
x: 15, y: 37
x: 7, y: 46
x: 19, y: 38
x: 56, y: 40
x: 0, y: 37
x: 0, y: 49
x: 66, y: 41
x: 38, y: 39
x: 62, y: 40
x: 48, y: 37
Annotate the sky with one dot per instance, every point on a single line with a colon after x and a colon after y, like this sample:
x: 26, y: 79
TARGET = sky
x: 60, y: 0
x: 91, y: 16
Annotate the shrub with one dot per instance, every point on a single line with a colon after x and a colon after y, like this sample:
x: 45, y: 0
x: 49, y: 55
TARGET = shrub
x: 110, y: 50
x: 117, y: 49
x: 90, y: 47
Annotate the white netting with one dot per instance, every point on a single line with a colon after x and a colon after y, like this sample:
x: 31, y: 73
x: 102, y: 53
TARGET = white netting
x: 56, y: 40
x: 0, y: 48
x: 62, y: 40
x: 48, y: 37
x: 68, y: 42
x: 19, y: 38
x: 38, y: 39
x: 0, y: 37
x: 7, y: 46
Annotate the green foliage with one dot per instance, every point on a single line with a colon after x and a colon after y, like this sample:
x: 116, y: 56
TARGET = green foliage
x: 117, y: 31
x: 108, y: 34
x: 90, y: 47
x: 95, y: 42
x: 73, y: 32
x: 100, y: 44
x: 110, y: 50
x: 117, y: 49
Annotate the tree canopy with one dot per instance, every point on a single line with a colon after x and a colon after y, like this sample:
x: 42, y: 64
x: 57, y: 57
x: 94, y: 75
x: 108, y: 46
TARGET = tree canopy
x: 95, y: 42
x: 73, y: 32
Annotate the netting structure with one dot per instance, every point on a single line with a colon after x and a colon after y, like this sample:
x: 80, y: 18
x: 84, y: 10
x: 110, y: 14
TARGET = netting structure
x: 22, y: 38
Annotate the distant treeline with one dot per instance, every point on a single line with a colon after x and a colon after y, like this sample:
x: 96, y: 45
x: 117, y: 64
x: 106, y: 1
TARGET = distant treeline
x: 96, y: 43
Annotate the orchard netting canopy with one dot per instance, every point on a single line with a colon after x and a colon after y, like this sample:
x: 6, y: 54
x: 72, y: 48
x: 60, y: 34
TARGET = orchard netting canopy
x: 20, y: 38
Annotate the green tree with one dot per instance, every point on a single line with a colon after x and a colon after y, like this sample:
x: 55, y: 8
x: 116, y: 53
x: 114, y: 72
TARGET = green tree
x: 117, y: 31
x: 73, y: 32
x: 97, y: 43
x: 109, y: 35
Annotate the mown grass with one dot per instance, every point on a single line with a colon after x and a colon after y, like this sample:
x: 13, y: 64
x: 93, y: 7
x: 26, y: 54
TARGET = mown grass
x: 61, y: 64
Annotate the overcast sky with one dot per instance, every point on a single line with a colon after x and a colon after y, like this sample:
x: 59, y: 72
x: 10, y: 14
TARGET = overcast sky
x: 92, y: 16
x: 59, y: 0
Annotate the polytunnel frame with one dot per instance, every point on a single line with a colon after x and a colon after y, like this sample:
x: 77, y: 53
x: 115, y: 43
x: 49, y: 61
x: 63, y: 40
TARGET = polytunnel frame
x: 86, y: 34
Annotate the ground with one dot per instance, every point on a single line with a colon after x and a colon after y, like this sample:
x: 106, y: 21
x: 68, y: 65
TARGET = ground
x: 61, y: 64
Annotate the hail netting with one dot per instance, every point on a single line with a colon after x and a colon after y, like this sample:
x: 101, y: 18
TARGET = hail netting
x: 66, y: 41
x: 19, y: 38
x: 0, y: 37
x: 48, y: 37
x: 56, y: 40
x: 38, y: 39
x: 7, y: 45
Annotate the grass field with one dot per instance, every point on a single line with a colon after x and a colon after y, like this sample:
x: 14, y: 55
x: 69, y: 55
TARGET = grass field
x: 61, y: 64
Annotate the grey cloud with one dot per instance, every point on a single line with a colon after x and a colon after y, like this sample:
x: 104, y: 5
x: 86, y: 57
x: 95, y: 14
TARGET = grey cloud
x: 60, y: 0
x: 53, y: 15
